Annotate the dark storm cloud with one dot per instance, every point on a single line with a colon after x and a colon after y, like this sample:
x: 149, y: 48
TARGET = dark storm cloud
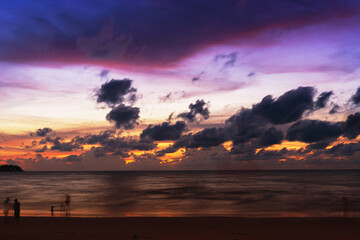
x: 181, y: 143
x: 252, y: 128
x: 334, y: 109
x: 58, y: 144
x: 165, y: 131
x: 356, y: 97
x: 110, y: 143
x: 42, y: 132
x: 46, y: 140
x: 208, y: 137
x: 248, y: 131
x: 271, y: 154
x: 252, y: 123
x: 289, y: 107
x: 146, y: 31
x: 49, y: 140
x: 318, y: 145
x: 271, y: 136
x: 198, y: 111
x: 244, y: 126
x: 142, y: 144
x: 61, y: 146
x: 343, y: 149
x: 120, y: 146
x: 246, y: 150
x: 114, y: 92
x: 352, y: 126
x: 323, y: 99
x: 311, y: 131
x: 101, y: 138
x: 43, y: 149
x: 72, y: 159
x: 124, y: 116
x: 169, y: 149
x: 315, y: 155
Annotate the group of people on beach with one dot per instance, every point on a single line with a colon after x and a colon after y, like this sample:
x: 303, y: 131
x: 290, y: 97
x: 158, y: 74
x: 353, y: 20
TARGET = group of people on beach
x: 15, y: 206
x: 64, y: 207
x: 7, y: 206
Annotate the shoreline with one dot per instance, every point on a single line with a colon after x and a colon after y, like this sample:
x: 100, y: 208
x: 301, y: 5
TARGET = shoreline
x: 80, y: 213
x: 176, y: 228
x: 180, y: 217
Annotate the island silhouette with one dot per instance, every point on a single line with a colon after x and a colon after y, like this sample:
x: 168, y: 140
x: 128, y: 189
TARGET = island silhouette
x: 10, y: 168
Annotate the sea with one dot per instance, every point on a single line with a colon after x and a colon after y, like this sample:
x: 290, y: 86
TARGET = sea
x: 305, y: 193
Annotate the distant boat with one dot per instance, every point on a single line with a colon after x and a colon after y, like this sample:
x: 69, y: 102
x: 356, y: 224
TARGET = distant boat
x: 10, y: 168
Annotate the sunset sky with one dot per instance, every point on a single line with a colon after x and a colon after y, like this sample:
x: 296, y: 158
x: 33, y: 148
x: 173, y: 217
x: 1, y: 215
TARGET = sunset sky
x: 173, y: 84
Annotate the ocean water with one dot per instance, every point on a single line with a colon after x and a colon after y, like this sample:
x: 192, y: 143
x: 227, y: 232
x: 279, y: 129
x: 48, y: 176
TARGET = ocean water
x: 186, y: 193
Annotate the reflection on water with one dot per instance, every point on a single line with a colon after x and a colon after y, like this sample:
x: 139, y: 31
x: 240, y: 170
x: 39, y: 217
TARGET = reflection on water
x: 188, y: 193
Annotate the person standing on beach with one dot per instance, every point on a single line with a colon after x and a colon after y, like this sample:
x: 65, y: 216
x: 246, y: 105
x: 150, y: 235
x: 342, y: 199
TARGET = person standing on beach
x: 17, y: 211
x: 6, y: 209
x: 67, y: 205
x: 52, y: 210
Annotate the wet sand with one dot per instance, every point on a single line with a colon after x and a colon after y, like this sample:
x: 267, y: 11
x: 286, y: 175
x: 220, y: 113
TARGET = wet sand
x: 209, y: 228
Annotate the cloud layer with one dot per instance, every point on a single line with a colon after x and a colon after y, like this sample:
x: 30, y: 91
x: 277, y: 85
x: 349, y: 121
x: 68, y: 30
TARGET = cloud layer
x: 198, y: 111
x: 115, y: 93
x: 144, y: 31
x: 253, y: 135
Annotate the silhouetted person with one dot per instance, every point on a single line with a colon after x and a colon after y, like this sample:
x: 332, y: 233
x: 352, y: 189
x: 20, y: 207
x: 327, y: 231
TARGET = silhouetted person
x: 345, y: 205
x: 6, y: 208
x: 17, y: 211
x: 67, y: 205
x: 52, y: 210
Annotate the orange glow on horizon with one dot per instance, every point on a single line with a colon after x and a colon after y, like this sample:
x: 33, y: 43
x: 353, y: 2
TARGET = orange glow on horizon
x: 290, y: 145
x: 164, y: 144
x: 343, y: 140
x: 20, y: 147
x: 129, y: 159
x: 89, y: 146
x: 172, y: 157
x: 228, y: 145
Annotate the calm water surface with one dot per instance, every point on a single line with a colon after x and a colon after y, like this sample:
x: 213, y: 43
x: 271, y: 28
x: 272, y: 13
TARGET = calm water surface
x: 186, y: 193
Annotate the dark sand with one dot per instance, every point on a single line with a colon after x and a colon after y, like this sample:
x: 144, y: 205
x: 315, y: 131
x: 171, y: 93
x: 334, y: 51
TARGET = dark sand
x: 209, y: 228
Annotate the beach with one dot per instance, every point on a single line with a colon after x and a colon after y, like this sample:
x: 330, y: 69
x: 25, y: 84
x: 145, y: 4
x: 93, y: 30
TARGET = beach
x: 189, y: 228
